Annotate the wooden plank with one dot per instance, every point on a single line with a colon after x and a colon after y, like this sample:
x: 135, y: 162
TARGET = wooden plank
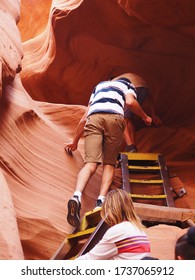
x: 150, y: 212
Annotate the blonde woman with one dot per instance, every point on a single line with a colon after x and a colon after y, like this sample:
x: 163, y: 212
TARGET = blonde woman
x: 125, y: 239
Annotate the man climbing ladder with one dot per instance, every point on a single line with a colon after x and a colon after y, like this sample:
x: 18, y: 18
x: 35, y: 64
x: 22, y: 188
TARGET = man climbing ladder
x: 103, y: 126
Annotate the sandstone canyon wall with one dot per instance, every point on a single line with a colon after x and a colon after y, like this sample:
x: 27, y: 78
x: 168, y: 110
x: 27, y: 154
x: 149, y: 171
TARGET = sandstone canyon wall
x: 52, y: 54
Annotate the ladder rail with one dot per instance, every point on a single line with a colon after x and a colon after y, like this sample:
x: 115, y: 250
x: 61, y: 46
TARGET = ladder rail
x: 95, y: 237
x: 125, y: 173
x: 166, y: 183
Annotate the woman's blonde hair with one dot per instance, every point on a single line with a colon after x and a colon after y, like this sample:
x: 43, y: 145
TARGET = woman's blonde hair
x: 118, y: 207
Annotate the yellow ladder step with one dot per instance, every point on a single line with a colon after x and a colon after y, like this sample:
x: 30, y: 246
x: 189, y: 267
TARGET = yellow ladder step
x: 91, y: 218
x: 80, y: 234
x: 93, y: 212
x: 142, y: 156
x: 145, y: 196
x: 145, y: 181
x: 136, y: 167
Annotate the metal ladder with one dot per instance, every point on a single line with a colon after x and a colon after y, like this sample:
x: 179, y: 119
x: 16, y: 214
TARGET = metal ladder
x: 92, y: 227
x: 146, y: 173
x: 84, y: 238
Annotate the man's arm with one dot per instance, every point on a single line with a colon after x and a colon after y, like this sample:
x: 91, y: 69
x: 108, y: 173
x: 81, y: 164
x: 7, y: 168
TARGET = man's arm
x: 72, y: 146
x: 134, y: 106
x: 149, y: 100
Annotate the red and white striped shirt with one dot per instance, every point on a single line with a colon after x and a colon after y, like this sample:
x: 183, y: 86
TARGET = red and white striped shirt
x: 123, y: 241
x: 109, y: 97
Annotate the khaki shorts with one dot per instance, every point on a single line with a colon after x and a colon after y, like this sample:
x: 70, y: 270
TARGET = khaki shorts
x: 103, y: 137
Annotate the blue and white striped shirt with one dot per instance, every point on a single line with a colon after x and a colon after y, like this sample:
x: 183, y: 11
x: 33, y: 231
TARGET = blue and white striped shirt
x: 109, y: 97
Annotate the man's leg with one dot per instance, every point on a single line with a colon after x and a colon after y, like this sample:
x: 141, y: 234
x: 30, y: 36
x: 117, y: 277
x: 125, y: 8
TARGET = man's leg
x: 74, y: 204
x: 84, y: 175
x: 107, y: 179
x: 129, y: 134
x: 113, y: 136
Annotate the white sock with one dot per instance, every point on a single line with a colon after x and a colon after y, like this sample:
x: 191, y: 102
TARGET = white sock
x: 79, y: 194
x: 101, y: 197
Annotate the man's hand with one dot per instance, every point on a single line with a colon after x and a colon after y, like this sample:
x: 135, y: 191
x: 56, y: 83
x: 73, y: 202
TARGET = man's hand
x: 70, y: 147
x: 148, y: 121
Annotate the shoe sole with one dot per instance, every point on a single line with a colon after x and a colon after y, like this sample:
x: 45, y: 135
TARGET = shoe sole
x: 73, y: 213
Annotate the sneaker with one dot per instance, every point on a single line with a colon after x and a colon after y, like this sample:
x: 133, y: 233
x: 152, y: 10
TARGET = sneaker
x: 98, y: 204
x: 74, y: 207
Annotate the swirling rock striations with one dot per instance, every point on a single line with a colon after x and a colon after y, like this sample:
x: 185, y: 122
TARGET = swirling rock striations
x: 51, y: 57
